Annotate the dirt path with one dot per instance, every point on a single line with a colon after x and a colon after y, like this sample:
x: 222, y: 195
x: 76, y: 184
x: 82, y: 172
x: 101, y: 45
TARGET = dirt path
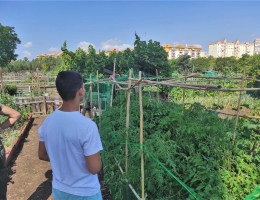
x: 29, y: 177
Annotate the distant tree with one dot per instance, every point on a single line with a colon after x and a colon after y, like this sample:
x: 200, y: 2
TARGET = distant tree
x: 149, y: 57
x: 184, y: 64
x: 68, y: 58
x: 172, y: 64
x: 226, y: 65
x: 8, y: 43
x: 17, y: 66
x: 200, y: 64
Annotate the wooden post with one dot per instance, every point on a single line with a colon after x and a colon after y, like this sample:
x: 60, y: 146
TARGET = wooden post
x: 127, y: 119
x: 183, y: 93
x: 157, y: 80
x: 38, y: 82
x: 85, y: 105
x: 44, y: 103
x: 141, y: 134
x: 99, y: 107
x: 90, y: 91
x: 112, y: 91
x: 32, y: 86
x: 2, y: 81
x: 238, y: 105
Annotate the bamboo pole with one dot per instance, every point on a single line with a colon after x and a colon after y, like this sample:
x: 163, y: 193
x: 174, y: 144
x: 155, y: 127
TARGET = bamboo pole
x: 90, y: 90
x: 85, y: 104
x: 111, y: 96
x: 214, y: 88
x: 112, y: 90
x: 99, y: 107
x: 157, y: 86
x: 126, y: 180
x: 33, y: 89
x: 38, y: 82
x: 238, y: 106
x: 141, y: 135
x: 44, y: 99
x: 127, y: 121
x: 2, y: 81
x: 183, y: 94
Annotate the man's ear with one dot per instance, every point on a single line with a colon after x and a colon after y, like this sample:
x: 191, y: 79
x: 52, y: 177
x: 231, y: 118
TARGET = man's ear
x: 81, y: 93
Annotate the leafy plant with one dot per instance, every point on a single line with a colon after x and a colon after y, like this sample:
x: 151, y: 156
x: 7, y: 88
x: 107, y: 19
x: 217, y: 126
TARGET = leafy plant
x: 192, y: 143
x: 10, y: 89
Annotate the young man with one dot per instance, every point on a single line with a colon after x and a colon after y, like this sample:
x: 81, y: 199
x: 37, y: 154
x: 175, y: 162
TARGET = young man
x: 13, y: 116
x: 71, y: 143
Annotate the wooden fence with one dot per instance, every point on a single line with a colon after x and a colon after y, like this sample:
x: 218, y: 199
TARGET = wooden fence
x: 39, y: 105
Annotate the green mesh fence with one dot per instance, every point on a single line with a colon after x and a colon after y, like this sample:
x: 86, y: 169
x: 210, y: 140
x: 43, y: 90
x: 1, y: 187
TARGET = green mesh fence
x: 105, y: 88
x: 255, y: 194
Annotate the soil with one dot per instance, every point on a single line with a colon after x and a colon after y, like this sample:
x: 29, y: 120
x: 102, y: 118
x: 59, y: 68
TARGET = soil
x: 30, y: 178
x: 243, y: 111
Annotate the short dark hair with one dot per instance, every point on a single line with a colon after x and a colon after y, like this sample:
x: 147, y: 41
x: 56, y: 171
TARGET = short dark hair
x: 68, y: 83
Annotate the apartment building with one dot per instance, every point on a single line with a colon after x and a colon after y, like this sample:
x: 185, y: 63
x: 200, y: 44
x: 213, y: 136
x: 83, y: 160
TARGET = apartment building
x: 54, y: 55
x: 223, y: 48
x: 257, y: 46
x: 180, y: 50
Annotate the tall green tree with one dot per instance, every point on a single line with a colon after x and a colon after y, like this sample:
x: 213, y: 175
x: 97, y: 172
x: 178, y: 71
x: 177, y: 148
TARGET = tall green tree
x: 184, y: 64
x: 150, y: 56
x: 200, y: 65
x: 226, y: 65
x: 8, y: 43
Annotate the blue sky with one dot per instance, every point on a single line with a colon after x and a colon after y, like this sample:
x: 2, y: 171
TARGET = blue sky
x: 43, y: 26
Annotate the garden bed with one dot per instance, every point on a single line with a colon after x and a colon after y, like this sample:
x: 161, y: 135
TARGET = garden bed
x: 13, y: 139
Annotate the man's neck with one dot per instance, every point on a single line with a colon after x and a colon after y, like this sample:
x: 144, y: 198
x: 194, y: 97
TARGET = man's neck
x: 69, y: 106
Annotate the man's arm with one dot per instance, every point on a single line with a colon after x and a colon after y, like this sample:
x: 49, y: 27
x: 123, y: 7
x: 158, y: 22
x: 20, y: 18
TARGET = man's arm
x: 94, y: 163
x: 42, y: 153
x: 12, y: 114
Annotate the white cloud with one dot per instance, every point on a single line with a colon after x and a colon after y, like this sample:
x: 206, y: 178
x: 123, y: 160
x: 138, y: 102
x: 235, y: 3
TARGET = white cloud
x: 53, y: 49
x: 252, y: 35
x: 114, y: 44
x: 27, y: 54
x: 27, y: 45
x: 84, y: 45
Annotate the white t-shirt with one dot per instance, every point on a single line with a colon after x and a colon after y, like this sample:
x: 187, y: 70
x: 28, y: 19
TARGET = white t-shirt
x: 68, y: 137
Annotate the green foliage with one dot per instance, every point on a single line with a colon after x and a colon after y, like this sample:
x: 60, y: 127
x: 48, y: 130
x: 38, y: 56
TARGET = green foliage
x: 194, y: 144
x: 150, y: 56
x: 146, y: 57
x: 226, y: 65
x: 7, y: 100
x: 184, y: 64
x: 200, y: 65
x: 10, y: 89
x: 8, y: 42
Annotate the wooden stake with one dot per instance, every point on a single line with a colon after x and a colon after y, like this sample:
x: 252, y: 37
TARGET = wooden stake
x: 99, y: 107
x: 2, y: 81
x: 127, y: 121
x: 112, y: 90
x: 141, y: 134
x: 44, y: 99
x: 32, y: 86
x: 38, y: 82
x: 183, y: 94
x: 90, y: 90
x: 85, y: 105
x: 238, y: 105
x: 111, y: 97
x: 157, y: 80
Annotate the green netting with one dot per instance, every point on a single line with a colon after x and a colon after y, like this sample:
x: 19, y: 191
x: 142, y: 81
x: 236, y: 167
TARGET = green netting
x: 255, y: 194
x: 105, y: 87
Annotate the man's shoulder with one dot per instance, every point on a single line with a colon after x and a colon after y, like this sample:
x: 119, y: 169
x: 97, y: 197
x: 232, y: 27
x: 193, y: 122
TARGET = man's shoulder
x: 87, y: 121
